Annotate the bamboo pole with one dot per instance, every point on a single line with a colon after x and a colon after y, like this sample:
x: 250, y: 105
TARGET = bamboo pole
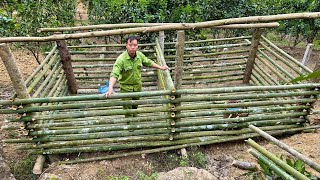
x: 193, y: 98
x: 281, y: 77
x: 161, y: 40
x: 179, y: 59
x: 128, y: 25
x: 281, y: 69
x: 47, y: 67
x: 240, y: 137
x: 166, y: 43
x: 246, y: 104
x: 271, y: 165
x: 279, y: 162
x: 166, y: 73
x: 209, y: 54
x: 287, y: 55
x: 56, y: 68
x: 182, y: 26
x: 222, y: 112
x: 295, y: 69
x: 13, y: 71
x: 213, y: 59
x: 85, y: 105
x: 67, y: 66
x: 252, y: 55
x: 84, y: 98
x: 282, y: 145
x: 161, y: 93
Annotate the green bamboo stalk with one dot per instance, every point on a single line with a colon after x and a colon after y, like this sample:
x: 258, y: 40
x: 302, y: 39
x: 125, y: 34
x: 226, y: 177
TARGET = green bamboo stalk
x: 53, y: 60
x: 85, y: 97
x: 247, y: 88
x: 92, y: 66
x: 212, y: 65
x: 287, y: 55
x: 212, y: 76
x: 92, y: 113
x: 166, y: 74
x: 243, y: 96
x: 85, y: 105
x: 97, y: 121
x: 212, y: 81
x: 271, y: 165
x: 57, y: 68
x: 279, y: 162
x: 290, y: 65
x: 160, y: 137
x: 280, y: 144
x: 92, y: 59
x: 100, y: 129
x: 43, y: 63
x: 239, y: 125
x: 213, y: 59
x: 202, y: 71
x: 277, y: 73
x: 105, y: 52
x: 259, y: 79
x: 266, y: 75
x: 178, y: 146
x: 222, y: 112
x: 239, y: 119
x: 114, y: 147
x: 281, y: 69
x: 208, y: 54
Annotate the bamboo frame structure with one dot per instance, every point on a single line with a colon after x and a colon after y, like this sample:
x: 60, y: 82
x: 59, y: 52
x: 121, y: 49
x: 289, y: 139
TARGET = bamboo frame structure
x: 197, y: 108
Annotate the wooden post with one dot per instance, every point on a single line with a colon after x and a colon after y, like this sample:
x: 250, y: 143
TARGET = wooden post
x: 179, y: 59
x: 14, y: 72
x: 161, y: 40
x: 67, y: 66
x: 252, y: 55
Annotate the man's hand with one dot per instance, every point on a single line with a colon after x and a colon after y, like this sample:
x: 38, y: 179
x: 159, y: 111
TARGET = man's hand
x: 108, y: 93
x: 164, y: 67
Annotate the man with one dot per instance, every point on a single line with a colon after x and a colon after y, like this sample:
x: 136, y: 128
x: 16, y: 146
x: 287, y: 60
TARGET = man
x: 127, y: 70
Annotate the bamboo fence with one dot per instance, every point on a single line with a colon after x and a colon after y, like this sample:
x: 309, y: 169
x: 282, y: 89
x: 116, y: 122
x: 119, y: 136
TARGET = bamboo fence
x: 202, y: 110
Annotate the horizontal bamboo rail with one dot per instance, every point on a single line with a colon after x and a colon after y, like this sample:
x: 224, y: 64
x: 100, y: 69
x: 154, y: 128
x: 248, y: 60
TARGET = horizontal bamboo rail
x: 127, y: 25
x: 181, y: 26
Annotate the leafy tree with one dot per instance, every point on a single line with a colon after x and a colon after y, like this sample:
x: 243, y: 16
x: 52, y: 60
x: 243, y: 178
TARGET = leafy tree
x: 25, y: 16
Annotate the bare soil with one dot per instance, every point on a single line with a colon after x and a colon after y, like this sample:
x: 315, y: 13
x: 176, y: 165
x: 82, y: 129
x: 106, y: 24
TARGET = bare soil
x: 219, y: 156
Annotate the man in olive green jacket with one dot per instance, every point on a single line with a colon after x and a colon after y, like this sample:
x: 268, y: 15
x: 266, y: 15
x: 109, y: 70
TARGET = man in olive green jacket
x: 127, y: 70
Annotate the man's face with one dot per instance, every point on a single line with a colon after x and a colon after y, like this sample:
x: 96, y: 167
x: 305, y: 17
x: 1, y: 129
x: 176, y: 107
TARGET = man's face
x: 132, y: 47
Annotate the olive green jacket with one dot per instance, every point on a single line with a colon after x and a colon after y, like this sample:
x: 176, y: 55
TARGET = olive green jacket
x: 128, y: 71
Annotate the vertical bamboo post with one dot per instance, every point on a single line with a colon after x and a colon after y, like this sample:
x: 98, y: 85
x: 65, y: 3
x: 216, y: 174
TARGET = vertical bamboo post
x: 179, y: 59
x: 161, y: 40
x: 14, y: 72
x: 67, y: 66
x: 252, y: 55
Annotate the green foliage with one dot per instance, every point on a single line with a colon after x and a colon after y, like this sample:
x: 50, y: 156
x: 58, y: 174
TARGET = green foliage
x: 117, y: 178
x: 143, y: 176
x: 296, y: 164
x: 312, y: 75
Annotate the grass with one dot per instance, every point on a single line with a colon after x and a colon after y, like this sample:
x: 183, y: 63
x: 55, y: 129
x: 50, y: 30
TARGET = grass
x: 22, y: 169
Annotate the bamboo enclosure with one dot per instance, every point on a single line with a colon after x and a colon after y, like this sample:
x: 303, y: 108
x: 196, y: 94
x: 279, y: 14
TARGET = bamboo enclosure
x: 214, y: 89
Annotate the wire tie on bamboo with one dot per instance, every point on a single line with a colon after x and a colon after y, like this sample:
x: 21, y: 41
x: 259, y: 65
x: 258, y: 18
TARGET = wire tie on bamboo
x: 172, y: 114
x: 172, y: 97
x: 173, y: 130
x: 173, y: 107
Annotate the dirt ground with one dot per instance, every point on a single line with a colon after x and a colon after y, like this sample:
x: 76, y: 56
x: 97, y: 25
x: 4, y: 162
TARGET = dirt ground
x: 219, y: 157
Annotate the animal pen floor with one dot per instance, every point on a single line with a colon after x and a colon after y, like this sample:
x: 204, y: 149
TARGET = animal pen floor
x: 218, y: 156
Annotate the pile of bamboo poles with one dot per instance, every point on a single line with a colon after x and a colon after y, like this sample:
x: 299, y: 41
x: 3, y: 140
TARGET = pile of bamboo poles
x: 277, y: 165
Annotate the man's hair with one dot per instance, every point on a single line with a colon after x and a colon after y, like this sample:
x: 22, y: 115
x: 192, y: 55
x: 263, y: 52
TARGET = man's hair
x: 131, y: 38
